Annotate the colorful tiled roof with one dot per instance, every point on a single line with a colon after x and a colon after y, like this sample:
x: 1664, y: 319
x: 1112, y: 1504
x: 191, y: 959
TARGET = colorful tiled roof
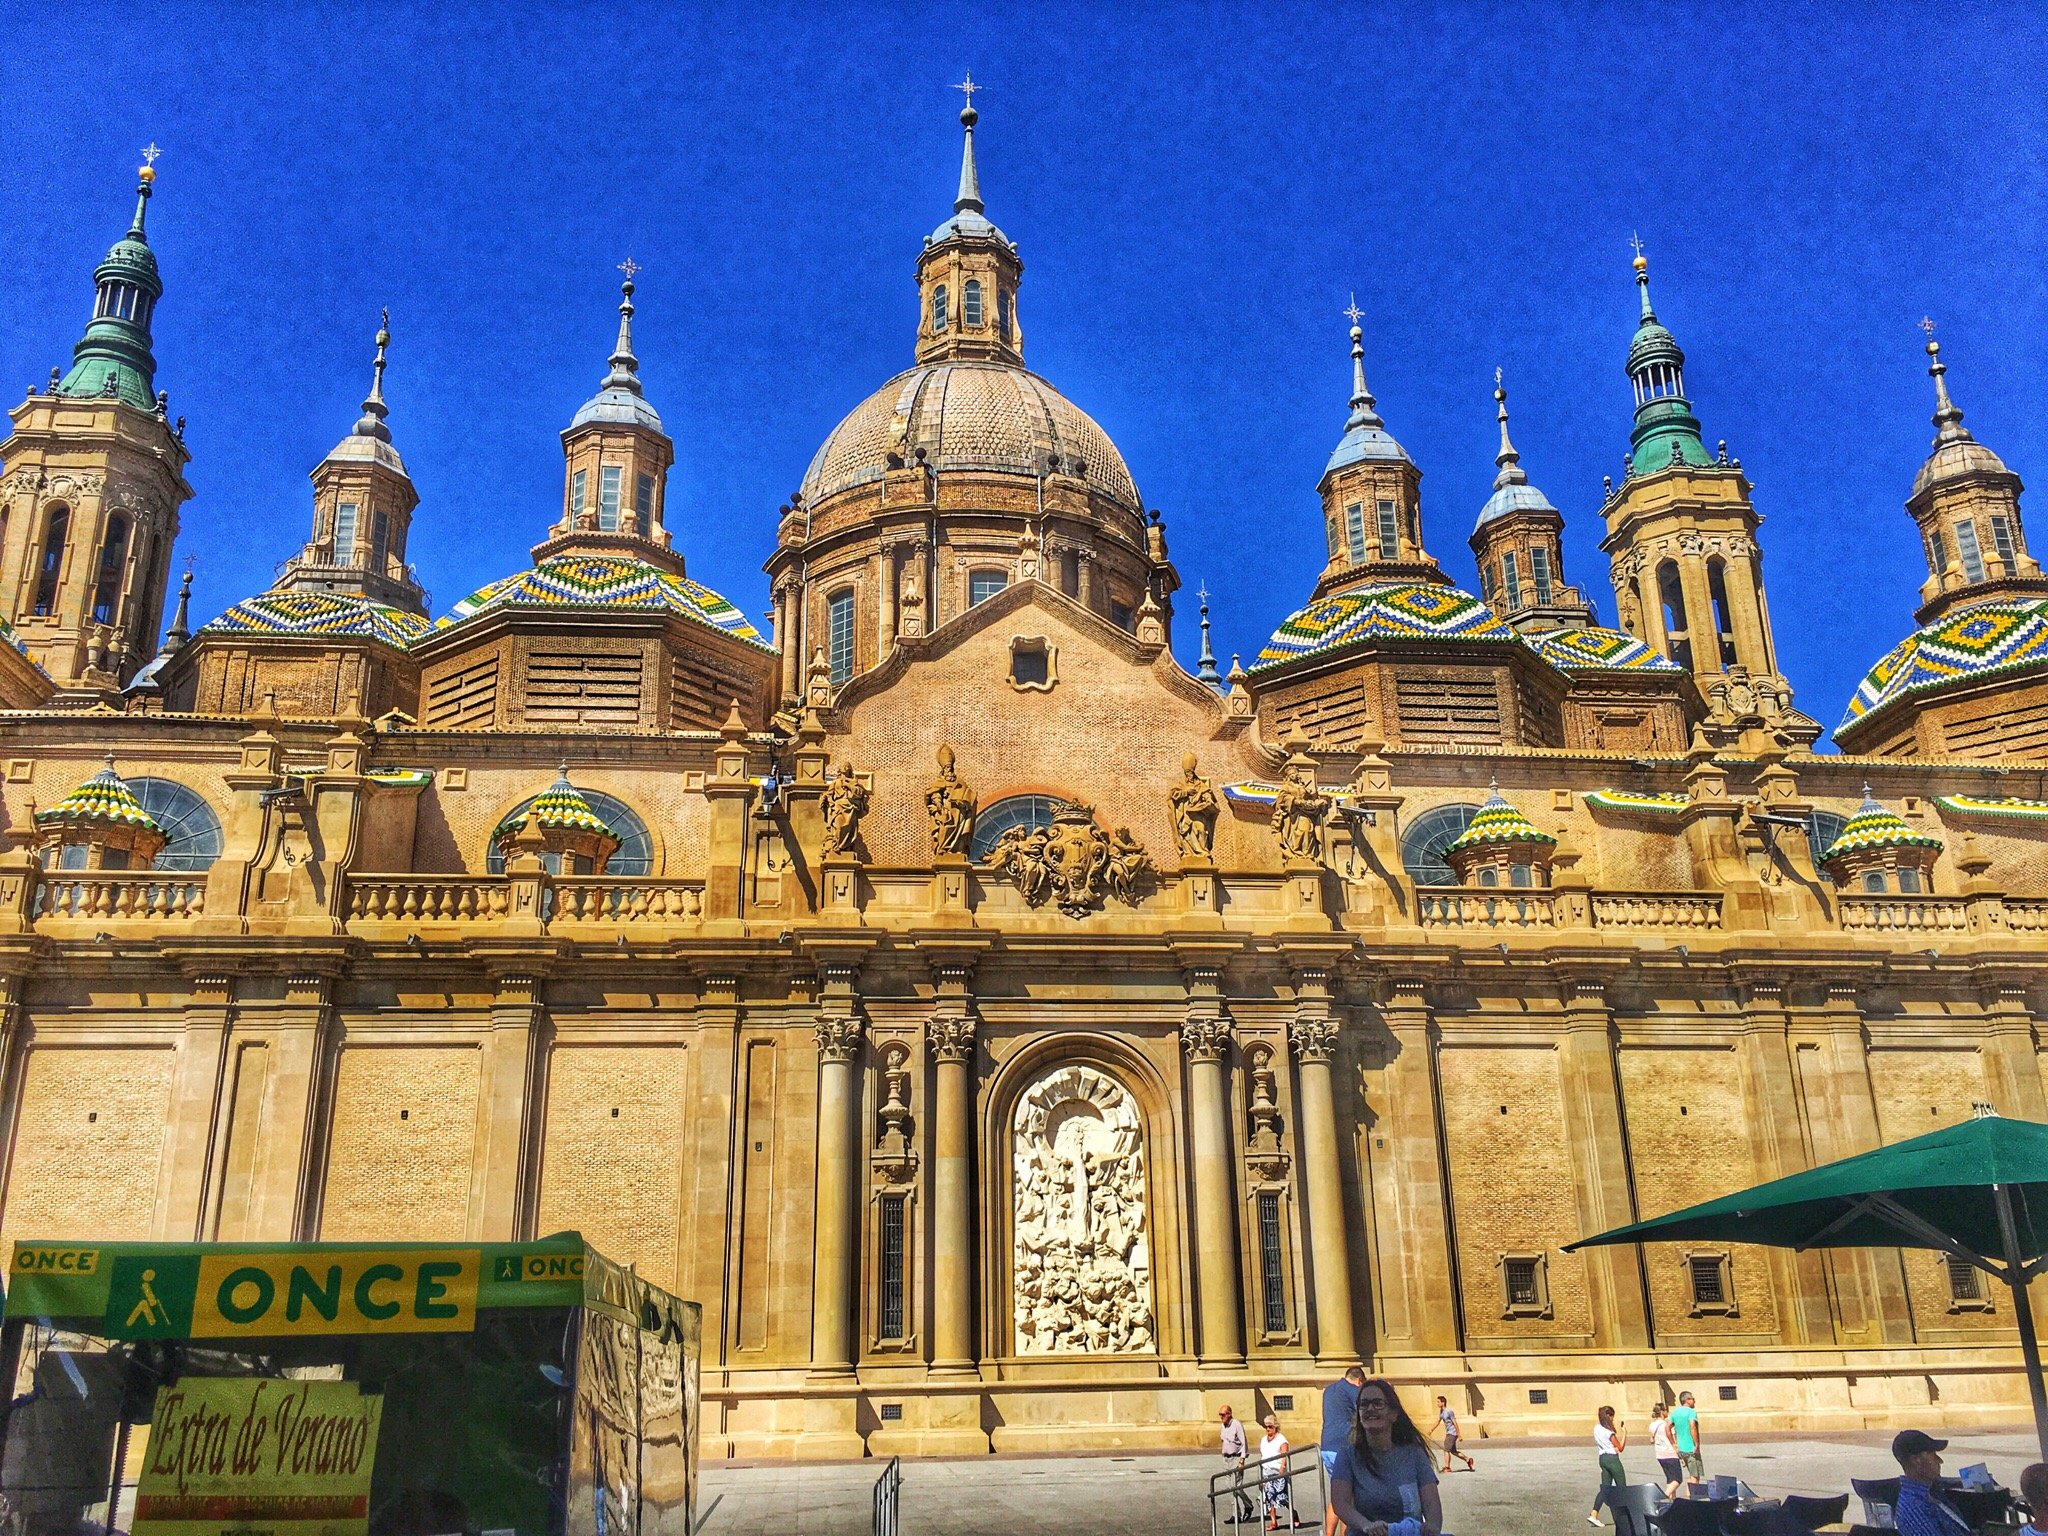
x: 8, y: 635
x: 1497, y: 822
x: 1978, y: 641
x: 401, y: 778
x: 326, y: 614
x: 1875, y: 827
x: 1635, y: 803
x: 558, y: 808
x: 611, y: 582
x: 1597, y: 650
x: 105, y: 797
x: 1401, y: 611
x: 2006, y: 806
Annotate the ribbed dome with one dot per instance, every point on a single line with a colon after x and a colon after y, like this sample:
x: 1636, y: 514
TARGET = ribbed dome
x: 969, y: 415
x: 1954, y: 459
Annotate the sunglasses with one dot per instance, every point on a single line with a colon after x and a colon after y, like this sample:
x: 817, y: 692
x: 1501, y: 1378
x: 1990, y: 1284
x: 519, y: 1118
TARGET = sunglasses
x: 1374, y: 1405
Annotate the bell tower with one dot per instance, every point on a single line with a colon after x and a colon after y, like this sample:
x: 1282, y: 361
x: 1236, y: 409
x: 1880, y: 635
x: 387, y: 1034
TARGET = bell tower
x: 968, y: 273
x: 89, y: 506
x: 1372, y: 496
x: 1518, y: 544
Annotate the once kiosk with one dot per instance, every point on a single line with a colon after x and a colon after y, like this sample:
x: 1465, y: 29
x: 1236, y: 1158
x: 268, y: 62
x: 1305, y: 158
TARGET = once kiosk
x: 344, y: 1389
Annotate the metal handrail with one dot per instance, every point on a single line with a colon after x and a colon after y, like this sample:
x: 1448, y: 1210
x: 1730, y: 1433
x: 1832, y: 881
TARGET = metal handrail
x: 888, y: 1493
x: 1243, y: 1486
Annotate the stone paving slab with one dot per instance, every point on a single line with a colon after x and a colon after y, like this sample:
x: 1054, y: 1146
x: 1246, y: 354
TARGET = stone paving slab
x: 1521, y: 1487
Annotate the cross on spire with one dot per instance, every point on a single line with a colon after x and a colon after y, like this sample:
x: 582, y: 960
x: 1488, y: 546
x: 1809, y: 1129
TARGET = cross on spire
x: 149, y: 155
x: 1927, y: 325
x: 967, y: 88
x: 631, y: 268
x: 1496, y: 378
x: 1635, y: 242
x: 1352, y: 312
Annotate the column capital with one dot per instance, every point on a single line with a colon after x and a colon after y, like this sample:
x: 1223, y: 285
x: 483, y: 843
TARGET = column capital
x: 1762, y: 990
x: 2001, y: 992
x: 840, y: 1037
x: 1582, y: 990
x: 1206, y: 1039
x: 1313, y: 1039
x: 950, y: 1037
x: 1406, y: 994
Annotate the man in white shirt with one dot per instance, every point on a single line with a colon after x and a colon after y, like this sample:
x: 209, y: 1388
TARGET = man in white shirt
x: 1234, y: 1452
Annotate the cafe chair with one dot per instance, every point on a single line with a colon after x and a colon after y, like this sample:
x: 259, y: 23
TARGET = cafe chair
x: 1813, y: 1513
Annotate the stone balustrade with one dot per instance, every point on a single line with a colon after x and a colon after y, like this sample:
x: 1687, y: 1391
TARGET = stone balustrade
x: 142, y: 895
x: 2026, y: 914
x: 427, y: 899
x: 1905, y: 914
x: 613, y: 900
x: 1445, y: 907
x: 1657, y: 910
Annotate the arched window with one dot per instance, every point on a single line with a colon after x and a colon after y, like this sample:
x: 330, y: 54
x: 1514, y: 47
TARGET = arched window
x: 106, y: 590
x: 1717, y: 589
x: 1425, y: 838
x: 1909, y: 880
x: 939, y: 310
x: 345, y: 533
x: 1873, y: 880
x: 1822, y: 828
x: 1017, y: 811
x: 1003, y: 314
x: 54, y: 533
x: 1511, y: 579
x: 971, y: 302
x: 983, y: 585
x: 839, y: 635
x: 635, y: 855
x: 191, y: 830
x: 1672, y: 596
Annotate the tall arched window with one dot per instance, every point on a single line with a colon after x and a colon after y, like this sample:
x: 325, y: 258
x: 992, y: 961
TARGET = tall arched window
x: 106, y: 589
x: 939, y: 307
x: 1424, y: 840
x: 1717, y: 589
x: 971, y: 297
x: 345, y: 533
x: 635, y: 855
x: 1672, y: 596
x: 55, y: 530
x: 1003, y: 314
x: 191, y: 830
x: 1017, y: 811
x: 839, y: 635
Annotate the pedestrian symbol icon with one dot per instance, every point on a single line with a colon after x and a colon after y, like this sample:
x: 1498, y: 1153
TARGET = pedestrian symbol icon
x: 148, y: 1309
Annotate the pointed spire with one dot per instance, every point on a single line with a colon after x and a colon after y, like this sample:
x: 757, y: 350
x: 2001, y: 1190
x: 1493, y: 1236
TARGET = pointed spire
x: 113, y: 359
x: 1362, y: 402
x: 372, y: 422
x: 1205, y: 665
x: 1948, y: 420
x: 1642, y: 265
x: 1508, y: 461
x: 145, y: 179
x: 969, y: 200
x: 181, y: 621
x: 625, y: 372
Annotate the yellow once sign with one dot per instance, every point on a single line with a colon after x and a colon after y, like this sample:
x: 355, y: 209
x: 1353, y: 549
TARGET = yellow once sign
x: 401, y: 1291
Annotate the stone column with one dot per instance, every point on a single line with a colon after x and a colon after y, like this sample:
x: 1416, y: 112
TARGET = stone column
x: 511, y: 1076
x: 1313, y: 1034
x: 2012, y: 1064
x: 1205, y: 1038
x: 197, y: 1124
x: 788, y: 640
x: 1592, y: 1113
x: 840, y: 1038
x: 1410, y: 1203
x: 950, y: 1038
x: 885, y: 602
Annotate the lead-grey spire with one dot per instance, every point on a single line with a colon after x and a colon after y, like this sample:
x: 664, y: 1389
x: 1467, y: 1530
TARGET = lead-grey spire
x: 1205, y: 666
x: 969, y: 199
x: 1362, y: 412
x: 625, y: 372
x: 371, y: 423
x: 1509, y: 461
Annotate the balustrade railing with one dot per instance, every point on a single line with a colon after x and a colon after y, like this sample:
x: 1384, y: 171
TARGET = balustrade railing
x: 605, y: 899
x: 1906, y: 914
x: 2026, y: 914
x: 426, y: 899
x: 1466, y: 908
x: 1691, y: 910
x: 144, y: 894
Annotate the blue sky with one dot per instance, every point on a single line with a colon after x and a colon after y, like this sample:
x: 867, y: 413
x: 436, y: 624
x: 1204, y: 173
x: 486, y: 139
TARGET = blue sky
x: 1196, y: 192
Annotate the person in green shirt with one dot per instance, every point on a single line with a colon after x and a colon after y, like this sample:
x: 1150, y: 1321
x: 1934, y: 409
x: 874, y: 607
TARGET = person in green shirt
x: 1685, y: 1430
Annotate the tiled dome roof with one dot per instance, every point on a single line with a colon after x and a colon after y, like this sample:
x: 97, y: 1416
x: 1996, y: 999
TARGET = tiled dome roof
x: 558, y: 808
x: 969, y: 415
x: 610, y: 582
x: 1978, y: 641
x: 1399, y: 611
x: 104, y: 797
x: 1956, y: 458
x: 1497, y: 822
x: 1597, y: 650
x: 320, y: 613
x: 1875, y: 827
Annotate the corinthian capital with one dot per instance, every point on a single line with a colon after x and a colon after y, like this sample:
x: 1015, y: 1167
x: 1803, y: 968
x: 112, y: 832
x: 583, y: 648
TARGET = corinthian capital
x: 1313, y: 1039
x: 1205, y: 1039
x: 839, y: 1038
x: 950, y: 1037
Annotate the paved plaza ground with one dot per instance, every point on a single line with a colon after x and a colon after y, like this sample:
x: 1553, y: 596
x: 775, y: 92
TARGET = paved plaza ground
x: 1522, y: 1487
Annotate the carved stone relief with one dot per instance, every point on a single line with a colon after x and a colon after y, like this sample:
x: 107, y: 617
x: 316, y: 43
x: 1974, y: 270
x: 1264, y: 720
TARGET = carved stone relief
x: 1082, y: 1265
x: 1072, y: 861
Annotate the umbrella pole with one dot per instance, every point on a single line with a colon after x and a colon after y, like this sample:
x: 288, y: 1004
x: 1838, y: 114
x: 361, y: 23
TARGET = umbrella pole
x: 2022, y: 1312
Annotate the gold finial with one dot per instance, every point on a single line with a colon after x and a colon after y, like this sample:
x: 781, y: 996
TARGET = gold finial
x: 149, y: 158
x: 1933, y: 346
x: 1642, y: 262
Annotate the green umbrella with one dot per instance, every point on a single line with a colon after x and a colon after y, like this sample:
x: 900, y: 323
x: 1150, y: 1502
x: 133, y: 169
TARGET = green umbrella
x: 1969, y: 1190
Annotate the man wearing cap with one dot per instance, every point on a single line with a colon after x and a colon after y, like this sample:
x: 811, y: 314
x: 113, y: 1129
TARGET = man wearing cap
x: 1921, y: 1511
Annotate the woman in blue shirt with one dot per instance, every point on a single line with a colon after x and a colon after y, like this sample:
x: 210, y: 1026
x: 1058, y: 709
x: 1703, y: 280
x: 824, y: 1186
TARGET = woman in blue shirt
x: 1386, y: 1473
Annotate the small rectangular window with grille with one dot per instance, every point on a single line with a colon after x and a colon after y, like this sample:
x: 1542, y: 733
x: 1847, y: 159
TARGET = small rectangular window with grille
x: 1937, y: 551
x: 1510, y: 580
x: 643, y: 501
x: 1539, y: 572
x: 1967, y: 547
x: 1354, y: 530
x: 608, y: 478
x: 983, y: 585
x: 2001, y: 539
x: 1390, y: 535
x: 1538, y: 1396
x: 1712, y: 1284
x: 577, y: 484
x: 891, y: 1321
x: 1966, y: 1287
x: 839, y: 635
x: 1272, y: 1290
x: 345, y: 532
x: 1525, y: 1285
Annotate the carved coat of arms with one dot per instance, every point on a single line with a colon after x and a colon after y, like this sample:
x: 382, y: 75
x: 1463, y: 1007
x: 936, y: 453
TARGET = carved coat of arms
x: 1073, y: 861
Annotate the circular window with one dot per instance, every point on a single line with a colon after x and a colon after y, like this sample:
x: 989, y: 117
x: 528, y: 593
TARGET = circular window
x: 1426, y: 837
x: 1017, y: 811
x: 635, y: 855
x: 191, y: 830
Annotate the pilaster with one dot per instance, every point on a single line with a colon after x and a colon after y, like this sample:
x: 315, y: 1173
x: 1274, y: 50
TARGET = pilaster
x: 197, y: 1125
x: 1778, y: 1145
x: 515, y: 1084
x: 1205, y: 1035
x: 1410, y: 1192
x: 1594, y: 1128
x: 1313, y: 1032
x: 2011, y: 1055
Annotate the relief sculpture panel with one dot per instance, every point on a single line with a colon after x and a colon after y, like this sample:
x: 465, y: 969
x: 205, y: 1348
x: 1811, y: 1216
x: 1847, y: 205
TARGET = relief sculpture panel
x: 1082, y: 1264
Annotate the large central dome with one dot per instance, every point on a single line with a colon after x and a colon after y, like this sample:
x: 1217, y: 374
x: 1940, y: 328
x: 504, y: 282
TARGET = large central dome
x: 986, y: 416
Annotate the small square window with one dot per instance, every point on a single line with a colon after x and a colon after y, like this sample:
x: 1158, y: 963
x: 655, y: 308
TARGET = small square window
x: 1539, y: 1396
x: 1909, y: 881
x: 1283, y: 1402
x: 1966, y: 1287
x: 1712, y: 1283
x: 1032, y: 663
x: 892, y: 1413
x: 1726, y: 1394
x: 1525, y: 1285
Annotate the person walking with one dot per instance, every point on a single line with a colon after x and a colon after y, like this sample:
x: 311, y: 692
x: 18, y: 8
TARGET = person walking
x: 1610, y: 1439
x: 1685, y: 1431
x: 1665, y: 1449
x: 1273, y: 1451
x: 1234, y: 1454
x: 1386, y: 1478
x: 1447, y: 1420
x: 1340, y: 1413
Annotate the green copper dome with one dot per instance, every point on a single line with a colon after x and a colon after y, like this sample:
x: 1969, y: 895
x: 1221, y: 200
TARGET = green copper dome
x: 113, y: 358
x: 1666, y: 432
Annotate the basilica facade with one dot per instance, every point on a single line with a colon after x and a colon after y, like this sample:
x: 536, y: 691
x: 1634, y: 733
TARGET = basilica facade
x: 1010, y: 1037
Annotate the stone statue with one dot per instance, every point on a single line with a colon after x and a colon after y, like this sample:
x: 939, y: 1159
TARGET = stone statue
x: 950, y: 805
x: 846, y: 801
x: 1299, y: 811
x: 1082, y: 1266
x: 1071, y: 861
x: 1192, y: 799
